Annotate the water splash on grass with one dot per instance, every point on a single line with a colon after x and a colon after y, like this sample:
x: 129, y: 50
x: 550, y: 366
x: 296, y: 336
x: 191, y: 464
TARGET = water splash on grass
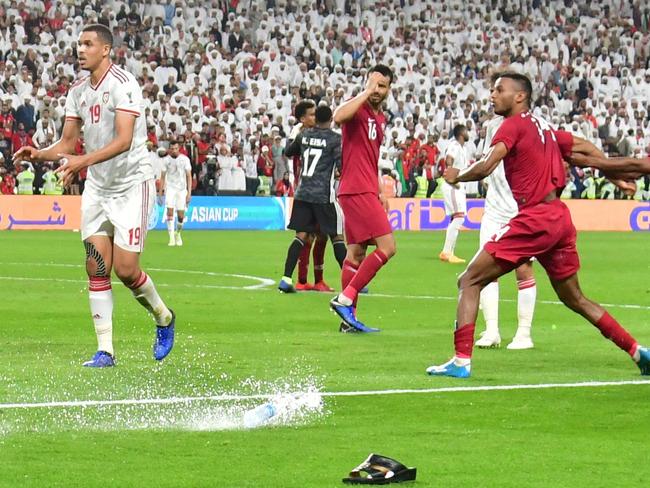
x: 192, y: 396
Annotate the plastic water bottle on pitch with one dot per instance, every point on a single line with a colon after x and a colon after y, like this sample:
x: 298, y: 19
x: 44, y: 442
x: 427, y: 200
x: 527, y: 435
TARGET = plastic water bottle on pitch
x: 259, y: 415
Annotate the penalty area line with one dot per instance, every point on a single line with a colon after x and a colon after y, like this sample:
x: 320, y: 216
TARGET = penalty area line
x: 230, y: 397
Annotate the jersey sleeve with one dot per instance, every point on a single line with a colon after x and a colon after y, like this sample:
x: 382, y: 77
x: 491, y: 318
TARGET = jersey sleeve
x: 452, y: 150
x: 336, y: 151
x: 71, y: 106
x: 508, y: 133
x: 491, y: 127
x: 293, y: 147
x: 187, y: 165
x: 565, y: 141
x: 127, y: 98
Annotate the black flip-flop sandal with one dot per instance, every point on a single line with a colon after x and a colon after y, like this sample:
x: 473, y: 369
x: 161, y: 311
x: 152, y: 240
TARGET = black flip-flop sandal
x: 380, y: 470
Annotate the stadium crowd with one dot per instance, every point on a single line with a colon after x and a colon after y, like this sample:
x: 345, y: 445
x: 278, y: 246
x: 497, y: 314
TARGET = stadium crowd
x: 222, y: 77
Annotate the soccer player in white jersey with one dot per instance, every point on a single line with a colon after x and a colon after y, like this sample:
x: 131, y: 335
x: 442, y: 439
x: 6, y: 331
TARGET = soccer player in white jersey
x: 119, y: 192
x: 176, y: 180
x: 500, y: 207
x: 454, y: 196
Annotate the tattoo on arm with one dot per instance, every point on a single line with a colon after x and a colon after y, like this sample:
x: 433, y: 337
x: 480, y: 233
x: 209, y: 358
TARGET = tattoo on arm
x: 92, y: 254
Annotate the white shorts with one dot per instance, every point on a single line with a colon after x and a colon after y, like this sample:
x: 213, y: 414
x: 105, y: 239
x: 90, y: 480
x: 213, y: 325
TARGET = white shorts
x: 175, y: 199
x: 455, y: 201
x: 489, y: 227
x: 124, y: 217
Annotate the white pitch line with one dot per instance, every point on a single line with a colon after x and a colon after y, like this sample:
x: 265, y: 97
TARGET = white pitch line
x: 509, y: 300
x: 264, y: 284
x: 450, y: 389
x: 162, y: 285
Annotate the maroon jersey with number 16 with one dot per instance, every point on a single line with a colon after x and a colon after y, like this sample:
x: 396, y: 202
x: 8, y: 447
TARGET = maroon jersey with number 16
x: 362, y: 138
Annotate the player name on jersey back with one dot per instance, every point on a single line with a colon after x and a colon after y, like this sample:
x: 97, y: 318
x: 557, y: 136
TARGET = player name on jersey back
x: 320, y: 152
x: 315, y: 142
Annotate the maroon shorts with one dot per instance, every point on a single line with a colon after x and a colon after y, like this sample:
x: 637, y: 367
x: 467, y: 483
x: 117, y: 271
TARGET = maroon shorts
x: 545, y: 232
x: 364, y: 217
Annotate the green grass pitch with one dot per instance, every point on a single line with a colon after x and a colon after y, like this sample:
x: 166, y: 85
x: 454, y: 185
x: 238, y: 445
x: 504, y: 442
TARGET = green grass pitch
x: 237, y: 340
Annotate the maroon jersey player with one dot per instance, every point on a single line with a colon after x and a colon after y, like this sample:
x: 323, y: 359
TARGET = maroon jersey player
x: 532, y: 154
x: 364, y: 207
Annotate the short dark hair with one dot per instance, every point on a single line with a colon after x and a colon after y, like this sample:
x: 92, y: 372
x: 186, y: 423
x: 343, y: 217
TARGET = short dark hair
x: 457, y: 130
x: 384, y: 70
x: 523, y: 80
x: 103, y: 32
x: 323, y: 114
x: 174, y: 142
x: 302, y: 107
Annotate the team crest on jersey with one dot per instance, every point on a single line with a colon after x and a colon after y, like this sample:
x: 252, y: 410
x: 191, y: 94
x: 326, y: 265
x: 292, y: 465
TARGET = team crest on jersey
x: 105, y: 97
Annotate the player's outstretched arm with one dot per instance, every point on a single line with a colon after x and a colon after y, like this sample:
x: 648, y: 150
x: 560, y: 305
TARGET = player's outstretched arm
x: 586, y: 154
x: 621, y: 171
x: 66, y: 144
x: 625, y: 168
x: 586, y: 148
x: 293, y: 146
x: 345, y: 112
x: 124, y: 126
x: 478, y: 170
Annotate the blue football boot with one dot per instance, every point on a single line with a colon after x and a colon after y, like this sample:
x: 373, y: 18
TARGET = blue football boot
x: 164, y: 339
x: 101, y: 359
x: 644, y: 361
x: 285, y: 287
x: 347, y: 314
x: 450, y: 368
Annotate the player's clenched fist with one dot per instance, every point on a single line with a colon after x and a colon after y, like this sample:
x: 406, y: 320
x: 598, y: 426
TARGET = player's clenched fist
x: 26, y: 153
x: 70, y: 166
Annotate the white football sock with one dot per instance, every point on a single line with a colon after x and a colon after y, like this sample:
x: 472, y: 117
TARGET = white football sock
x: 101, y: 309
x: 490, y: 307
x: 145, y: 292
x: 525, y: 306
x: 462, y: 361
x: 170, y: 227
x: 345, y: 300
x: 452, y: 235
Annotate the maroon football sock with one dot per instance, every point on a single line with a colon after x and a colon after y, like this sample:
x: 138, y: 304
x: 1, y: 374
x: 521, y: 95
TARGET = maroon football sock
x: 319, y: 258
x: 348, y: 271
x: 611, y: 329
x: 464, y: 341
x: 303, y: 263
x: 367, y: 271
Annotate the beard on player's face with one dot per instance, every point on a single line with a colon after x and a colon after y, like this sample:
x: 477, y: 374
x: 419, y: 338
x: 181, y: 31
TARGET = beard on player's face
x: 376, y: 99
x: 503, y: 104
x: 502, y: 110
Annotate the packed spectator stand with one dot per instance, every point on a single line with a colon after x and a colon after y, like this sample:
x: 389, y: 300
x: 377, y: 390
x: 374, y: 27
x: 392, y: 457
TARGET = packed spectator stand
x: 222, y: 77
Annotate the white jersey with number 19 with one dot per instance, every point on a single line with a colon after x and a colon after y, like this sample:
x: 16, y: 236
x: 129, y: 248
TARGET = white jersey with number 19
x: 97, y: 106
x: 500, y: 205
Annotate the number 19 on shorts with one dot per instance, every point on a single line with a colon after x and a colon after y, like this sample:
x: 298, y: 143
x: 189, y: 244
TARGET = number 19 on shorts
x: 134, y: 236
